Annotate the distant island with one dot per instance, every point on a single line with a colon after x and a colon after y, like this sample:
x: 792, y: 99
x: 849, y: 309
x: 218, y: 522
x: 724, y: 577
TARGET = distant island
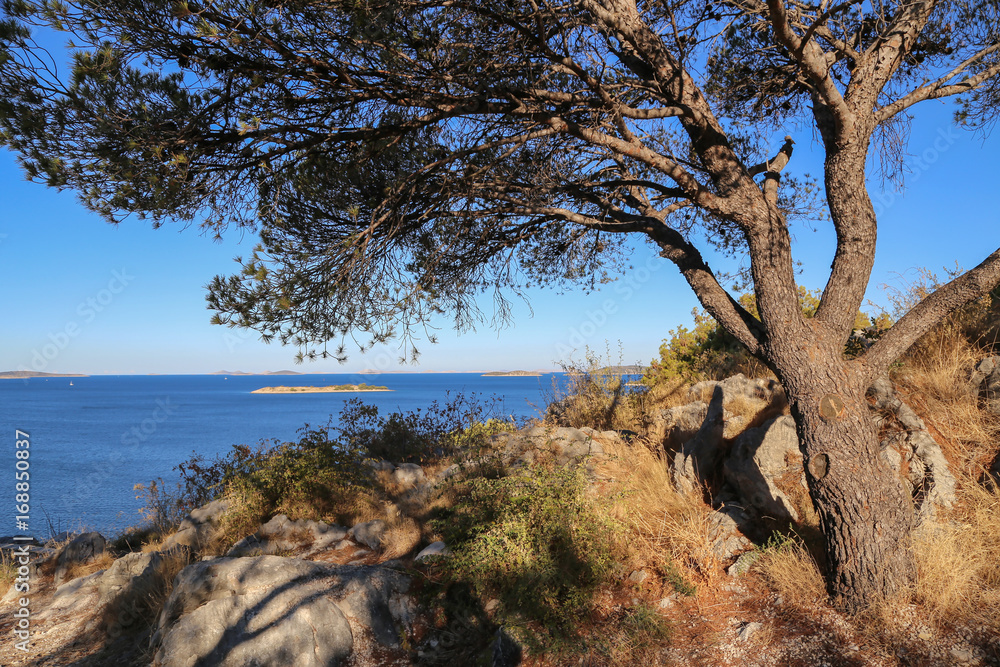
x: 512, y: 374
x: 11, y: 375
x: 265, y: 373
x: 319, y: 390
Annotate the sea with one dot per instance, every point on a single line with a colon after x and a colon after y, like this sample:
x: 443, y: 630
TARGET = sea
x: 92, y: 439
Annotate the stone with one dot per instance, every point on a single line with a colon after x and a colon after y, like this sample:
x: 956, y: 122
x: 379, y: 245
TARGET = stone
x: 638, y: 576
x: 134, y: 575
x: 269, y: 610
x: 198, y: 528
x: 681, y: 423
x: 761, y: 459
x: 564, y: 446
x: 724, y: 532
x: 928, y: 468
x: 962, y: 656
x: 743, y: 564
x: 433, y: 549
x: 408, y: 475
x: 700, y: 456
x: 282, y: 534
x: 748, y: 630
x: 81, y: 549
x: 369, y: 533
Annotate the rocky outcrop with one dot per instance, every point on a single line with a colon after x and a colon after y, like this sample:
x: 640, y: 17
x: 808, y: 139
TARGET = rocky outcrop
x: 762, y: 460
x: 269, y: 610
x: 199, y: 528
x: 699, y: 432
x: 700, y: 455
x: 985, y: 380
x: 282, y: 534
x: 135, y: 575
x: 81, y: 549
x: 926, y: 470
x: 562, y: 445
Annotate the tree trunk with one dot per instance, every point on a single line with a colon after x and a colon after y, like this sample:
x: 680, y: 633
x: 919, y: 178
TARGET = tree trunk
x: 865, y: 513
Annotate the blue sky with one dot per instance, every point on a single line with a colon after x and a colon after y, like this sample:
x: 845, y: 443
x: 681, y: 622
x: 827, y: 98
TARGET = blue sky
x: 83, y: 296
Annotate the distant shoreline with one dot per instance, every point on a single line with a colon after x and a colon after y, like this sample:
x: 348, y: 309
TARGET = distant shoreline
x: 509, y: 374
x: 20, y: 375
x: 340, y: 388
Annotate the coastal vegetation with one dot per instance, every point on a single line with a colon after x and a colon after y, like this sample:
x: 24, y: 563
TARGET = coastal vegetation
x: 602, y: 558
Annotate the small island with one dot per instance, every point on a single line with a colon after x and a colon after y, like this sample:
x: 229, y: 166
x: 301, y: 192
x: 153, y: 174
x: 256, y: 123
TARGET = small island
x: 504, y: 374
x: 319, y: 390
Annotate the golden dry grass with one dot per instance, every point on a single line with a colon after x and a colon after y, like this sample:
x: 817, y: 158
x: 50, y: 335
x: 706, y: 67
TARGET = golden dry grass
x: 959, y: 567
x: 660, y: 521
x: 791, y: 572
x: 402, y: 535
x: 101, y: 562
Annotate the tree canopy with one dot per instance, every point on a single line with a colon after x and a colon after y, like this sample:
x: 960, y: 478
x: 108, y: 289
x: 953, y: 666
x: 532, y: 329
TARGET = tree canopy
x: 399, y: 157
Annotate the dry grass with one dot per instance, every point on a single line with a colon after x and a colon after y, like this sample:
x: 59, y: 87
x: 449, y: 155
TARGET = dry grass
x: 935, y: 382
x: 661, y: 522
x: 402, y: 535
x: 959, y: 569
x: 101, y: 562
x: 791, y: 571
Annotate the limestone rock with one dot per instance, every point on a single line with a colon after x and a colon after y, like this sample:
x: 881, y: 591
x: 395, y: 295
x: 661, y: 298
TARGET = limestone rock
x: 270, y: 610
x: 563, y: 445
x: 929, y: 476
x: 80, y: 549
x: 408, y: 475
x: 700, y: 456
x: 438, y: 548
x: 724, y: 532
x: 369, y: 533
x: 506, y: 651
x: 199, y: 528
x: 762, y: 458
x: 134, y: 575
x: 986, y: 381
x: 282, y: 534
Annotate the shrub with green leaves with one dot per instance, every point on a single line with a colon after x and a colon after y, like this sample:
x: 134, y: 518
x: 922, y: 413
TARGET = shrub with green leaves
x: 314, y: 477
x: 536, y: 541
x: 460, y: 425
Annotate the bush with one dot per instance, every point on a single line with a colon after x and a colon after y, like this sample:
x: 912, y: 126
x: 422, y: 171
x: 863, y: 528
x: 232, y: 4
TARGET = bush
x: 600, y: 395
x: 459, y: 426
x: 313, y: 477
x: 535, y: 540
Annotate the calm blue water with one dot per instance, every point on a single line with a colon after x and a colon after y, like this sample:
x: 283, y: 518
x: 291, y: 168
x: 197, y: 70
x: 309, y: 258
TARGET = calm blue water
x: 93, y: 440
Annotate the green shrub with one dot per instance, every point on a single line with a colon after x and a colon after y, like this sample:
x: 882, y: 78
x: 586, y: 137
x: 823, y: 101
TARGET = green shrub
x: 457, y: 427
x: 313, y: 477
x: 536, y: 541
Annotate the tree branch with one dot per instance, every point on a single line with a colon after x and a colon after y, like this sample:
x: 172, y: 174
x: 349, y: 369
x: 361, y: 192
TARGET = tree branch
x: 814, y: 62
x: 904, y: 333
x: 716, y: 300
x: 937, y: 89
